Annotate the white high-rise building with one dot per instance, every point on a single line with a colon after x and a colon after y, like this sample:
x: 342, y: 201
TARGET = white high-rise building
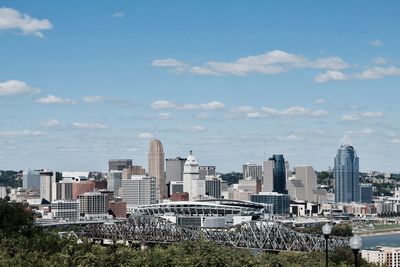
x: 192, y: 183
x: 65, y: 209
x: 139, y: 190
x: 48, y: 185
x: 303, y: 184
x: 268, y: 176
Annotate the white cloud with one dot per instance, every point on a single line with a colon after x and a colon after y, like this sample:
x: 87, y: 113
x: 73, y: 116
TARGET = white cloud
x: 368, y: 74
x: 51, y: 123
x: 375, y: 43
x: 23, y: 133
x: 377, y: 73
x: 292, y: 137
x: 165, y: 104
x: 363, y: 132
x: 370, y: 114
x: 50, y: 99
x: 176, y: 66
x: 288, y: 112
x: 242, y: 109
x: 396, y: 141
x: 86, y: 125
x: 145, y: 135
x: 330, y: 75
x: 163, y: 116
x: 195, y: 128
x: 380, y: 61
x: 269, y: 63
x: 294, y: 111
x: 93, y: 99
x: 256, y: 114
x: 15, y: 87
x: 351, y: 117
x: 11, y: 19
x: 365, y: 114
x: 319, y: 101
x: 118, y: 15
x: 201, y: 116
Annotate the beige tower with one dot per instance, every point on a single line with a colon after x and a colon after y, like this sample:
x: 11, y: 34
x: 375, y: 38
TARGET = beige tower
x: 156, y: 166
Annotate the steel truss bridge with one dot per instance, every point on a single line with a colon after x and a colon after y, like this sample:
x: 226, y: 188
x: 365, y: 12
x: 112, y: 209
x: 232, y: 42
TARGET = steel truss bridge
x: 262, y: 235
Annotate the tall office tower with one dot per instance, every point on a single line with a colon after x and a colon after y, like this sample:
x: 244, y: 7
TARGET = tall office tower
x: 48, y: 186
x: 274, y: 175
x: 192, y: 183
x: 174, y: 169
x: 213, y: 187
x: 206, y: 171
x: 93, y: 205
x: 366, y: 193
x: 133, y: 170
x: 31, y: 179
x: 156, y: 167
x: 119, y: 164
x: 250, y: 185
x: 252, y: 170
x: 302, y: 185
x: 280, y: 202
x: 65, y: 209
x: 139, y: 190
x: 114, y: 181
x: 345, y: 172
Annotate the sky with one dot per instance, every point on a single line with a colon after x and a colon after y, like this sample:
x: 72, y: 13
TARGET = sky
x: 82, y: 82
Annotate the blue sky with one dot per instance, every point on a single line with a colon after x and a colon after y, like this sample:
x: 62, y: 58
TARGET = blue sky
x: 234, y: 81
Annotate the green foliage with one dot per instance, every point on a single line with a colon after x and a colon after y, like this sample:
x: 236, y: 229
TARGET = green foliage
x: 342, y: 229
x: 10, y: 178
x: 324, y: 178
x: 40, y: 248
x: 232, y: 178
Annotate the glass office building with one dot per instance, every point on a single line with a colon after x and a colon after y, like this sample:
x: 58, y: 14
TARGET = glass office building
x: 345, y: 172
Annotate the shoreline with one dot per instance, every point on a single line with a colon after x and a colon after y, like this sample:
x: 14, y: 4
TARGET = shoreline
x: 379, y: 233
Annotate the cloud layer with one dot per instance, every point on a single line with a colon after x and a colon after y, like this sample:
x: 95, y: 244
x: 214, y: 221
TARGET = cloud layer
x: 11, y: 19
x: 15, y: 87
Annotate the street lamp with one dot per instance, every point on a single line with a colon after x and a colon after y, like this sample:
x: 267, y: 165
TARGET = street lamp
x: 326, y: 230
x: 355, y: 244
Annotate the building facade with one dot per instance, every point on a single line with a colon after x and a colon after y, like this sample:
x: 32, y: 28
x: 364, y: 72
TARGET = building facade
x: 280, y: 202
x: 366, y: 193
x: 114, y: 181
x: 119, y: 164
x: 65, y: 210
x: 139, y: 190
x: 252, y: 171
x: 213, y: 187
x: 206, y: 171
x: 31, y: 179
x: 346, y: 174
x: 274, y: 175
x: 156, y: 167
x: 192, y: 183
x: 174, y: 169
x: 93, y: 205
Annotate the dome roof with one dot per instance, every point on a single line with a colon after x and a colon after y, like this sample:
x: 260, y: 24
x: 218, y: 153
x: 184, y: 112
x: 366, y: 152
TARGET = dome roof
x: 191, y: 160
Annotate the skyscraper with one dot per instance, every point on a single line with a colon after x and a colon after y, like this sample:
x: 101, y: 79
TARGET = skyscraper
x: 156, y: 167
x: 274, y: 175
x: 119, y: 164
x: 345, y: 172
x: 174, y: 169
x: 192, y: 183
x: 252, y: 170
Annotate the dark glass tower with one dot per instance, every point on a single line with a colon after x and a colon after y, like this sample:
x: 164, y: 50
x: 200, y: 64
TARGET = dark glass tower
x: 345, y: 172
x: 279, y: 174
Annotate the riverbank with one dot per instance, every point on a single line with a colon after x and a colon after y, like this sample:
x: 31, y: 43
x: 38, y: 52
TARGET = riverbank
x: 378, y: 233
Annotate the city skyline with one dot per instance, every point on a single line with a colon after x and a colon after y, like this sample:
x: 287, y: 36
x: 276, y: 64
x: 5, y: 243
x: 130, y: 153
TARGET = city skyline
x: 80, y: 86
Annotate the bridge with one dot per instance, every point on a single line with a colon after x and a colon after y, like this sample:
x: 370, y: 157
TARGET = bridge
x: 262, y: 235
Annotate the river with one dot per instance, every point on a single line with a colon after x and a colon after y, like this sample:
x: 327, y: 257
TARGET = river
x: 390, y: 240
